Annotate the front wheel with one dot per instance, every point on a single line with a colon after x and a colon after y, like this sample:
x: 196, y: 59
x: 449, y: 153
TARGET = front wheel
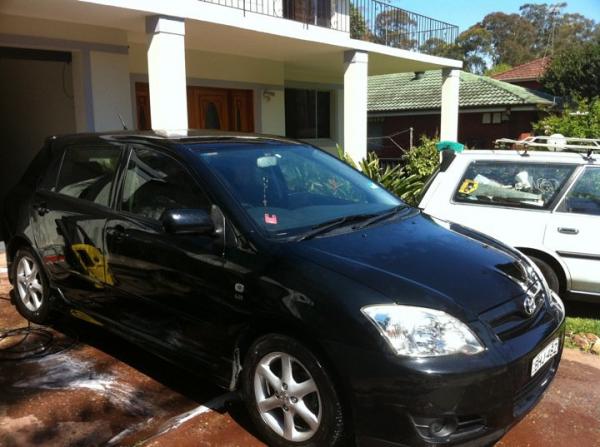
x: 289, y: 394
x: 549, y: 274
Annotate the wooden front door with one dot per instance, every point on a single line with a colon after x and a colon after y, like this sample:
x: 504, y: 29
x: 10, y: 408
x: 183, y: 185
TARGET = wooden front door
x: 208, y: 108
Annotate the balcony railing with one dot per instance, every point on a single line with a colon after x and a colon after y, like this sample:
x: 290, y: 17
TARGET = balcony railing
x: 371, y: 20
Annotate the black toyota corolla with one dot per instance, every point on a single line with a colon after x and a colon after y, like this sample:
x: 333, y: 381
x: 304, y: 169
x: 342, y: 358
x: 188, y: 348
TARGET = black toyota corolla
x: 339, y: 312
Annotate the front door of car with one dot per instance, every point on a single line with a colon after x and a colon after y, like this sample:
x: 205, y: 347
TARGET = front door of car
x: 169, y: 288
x: 69, y: 213
x: 574, y: 231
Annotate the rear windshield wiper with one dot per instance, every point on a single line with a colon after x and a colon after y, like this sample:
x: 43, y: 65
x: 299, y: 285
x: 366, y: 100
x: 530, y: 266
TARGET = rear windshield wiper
x: 382, y: 216
x: 329, y: 225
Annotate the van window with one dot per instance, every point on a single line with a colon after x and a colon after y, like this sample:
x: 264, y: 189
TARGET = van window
x: 584, y: 197
x: 524, y: 185
x: 88, y: 173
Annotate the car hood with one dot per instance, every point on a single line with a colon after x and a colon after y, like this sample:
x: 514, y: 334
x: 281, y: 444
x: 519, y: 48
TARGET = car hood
x: 420, y: 260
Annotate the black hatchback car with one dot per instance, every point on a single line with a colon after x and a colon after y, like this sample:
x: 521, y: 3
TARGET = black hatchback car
x: 339, y: 312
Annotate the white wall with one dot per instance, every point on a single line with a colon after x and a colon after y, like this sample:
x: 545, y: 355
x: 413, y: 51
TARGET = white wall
x: 110, y: 84
x: 272, y: 112
x: 35, y: 102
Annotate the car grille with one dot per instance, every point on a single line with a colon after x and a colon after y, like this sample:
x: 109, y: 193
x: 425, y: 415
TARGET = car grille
x: 510, y: 320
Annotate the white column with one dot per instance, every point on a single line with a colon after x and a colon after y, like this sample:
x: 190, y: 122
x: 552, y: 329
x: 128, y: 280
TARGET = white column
x: 450, y: 95
x: 356, y: 64
x: 166, y: 72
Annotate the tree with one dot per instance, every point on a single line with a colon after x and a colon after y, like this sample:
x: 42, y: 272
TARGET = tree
x: 575, y: 73
x: 512, y: 38
x: 393, y: 28
x: 358, y: 25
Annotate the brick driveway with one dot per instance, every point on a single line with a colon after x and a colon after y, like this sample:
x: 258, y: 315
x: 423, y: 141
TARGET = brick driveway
x: 93, y: 389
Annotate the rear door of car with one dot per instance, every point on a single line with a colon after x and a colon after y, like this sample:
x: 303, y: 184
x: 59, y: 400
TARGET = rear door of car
x: 573, y: 231
x: 70, y: 209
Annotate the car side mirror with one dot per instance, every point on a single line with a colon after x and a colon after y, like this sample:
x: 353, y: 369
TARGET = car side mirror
x: 188, y: 221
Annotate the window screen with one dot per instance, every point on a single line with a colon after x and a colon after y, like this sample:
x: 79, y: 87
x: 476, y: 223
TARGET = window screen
x: 527, y: 185
x: 155, y: 182
x: 88, y: 173
x: 307, y: 113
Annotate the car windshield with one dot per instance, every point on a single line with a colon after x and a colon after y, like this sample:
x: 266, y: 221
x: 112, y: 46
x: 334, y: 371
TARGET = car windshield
x: 291, y: 189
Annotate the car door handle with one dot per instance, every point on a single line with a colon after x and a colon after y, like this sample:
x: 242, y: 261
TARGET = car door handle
x: 41, y: 208
x: 564, y: 230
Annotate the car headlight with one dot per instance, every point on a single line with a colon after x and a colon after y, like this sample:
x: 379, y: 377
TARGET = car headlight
x: 422, y: 332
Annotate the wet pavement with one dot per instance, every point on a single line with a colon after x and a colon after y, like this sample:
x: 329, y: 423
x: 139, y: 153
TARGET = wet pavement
x: 92, y: 389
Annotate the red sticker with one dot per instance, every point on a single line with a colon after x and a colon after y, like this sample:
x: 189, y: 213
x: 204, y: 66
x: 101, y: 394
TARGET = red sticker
x: 271, y: 219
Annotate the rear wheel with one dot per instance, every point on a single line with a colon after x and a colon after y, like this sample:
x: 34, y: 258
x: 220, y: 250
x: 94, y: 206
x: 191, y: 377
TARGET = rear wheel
x: 549, y: 274
x: 289, y: 394
x: 32, y: 294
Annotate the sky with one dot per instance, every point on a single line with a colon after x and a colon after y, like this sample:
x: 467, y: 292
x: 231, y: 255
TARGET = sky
x: 465, y: 13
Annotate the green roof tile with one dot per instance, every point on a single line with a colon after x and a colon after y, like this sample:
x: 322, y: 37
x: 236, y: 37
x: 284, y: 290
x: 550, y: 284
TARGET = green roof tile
x: 402, y: 91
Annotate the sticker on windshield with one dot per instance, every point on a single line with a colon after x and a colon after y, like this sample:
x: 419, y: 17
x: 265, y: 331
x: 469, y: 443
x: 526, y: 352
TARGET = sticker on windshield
x: 468, y: 187
x: 271, y: 219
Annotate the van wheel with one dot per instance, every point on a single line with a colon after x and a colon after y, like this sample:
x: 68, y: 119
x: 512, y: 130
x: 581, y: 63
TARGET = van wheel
x: 289, y: 394
x: 549, y: 274
x: 31, y: 291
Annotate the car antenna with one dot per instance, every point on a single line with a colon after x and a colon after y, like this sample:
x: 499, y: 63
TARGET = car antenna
x: 122, y: 122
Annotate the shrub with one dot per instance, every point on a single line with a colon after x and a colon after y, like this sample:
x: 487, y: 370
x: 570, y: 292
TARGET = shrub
x: 581, y: 121
x: 405, y: 181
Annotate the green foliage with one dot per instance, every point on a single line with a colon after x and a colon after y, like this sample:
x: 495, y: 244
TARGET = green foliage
x: 500, y: 68
x: 537, y: 30
x: 358, y: 26
x: 575, y: 72
x: 423, y: 159
x: 581, y: 121
x: 405, y: 181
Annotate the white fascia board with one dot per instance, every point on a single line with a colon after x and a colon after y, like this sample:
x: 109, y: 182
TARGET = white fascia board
x: 228, y: 16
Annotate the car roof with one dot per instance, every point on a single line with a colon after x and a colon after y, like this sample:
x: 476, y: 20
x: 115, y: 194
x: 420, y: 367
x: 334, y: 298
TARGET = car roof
x: 538, y: 156
x: 175, y: 138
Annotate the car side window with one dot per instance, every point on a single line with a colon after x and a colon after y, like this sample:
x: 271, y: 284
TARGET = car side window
x: 50, y: 177
x: 584, y: 196
x: 88, y: 173
x: 514, y: 184
x: 154, y: 183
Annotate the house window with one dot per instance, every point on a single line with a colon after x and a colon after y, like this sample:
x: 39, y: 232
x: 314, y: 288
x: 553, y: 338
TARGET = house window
x: 307, y: 113
x: 492, y: 118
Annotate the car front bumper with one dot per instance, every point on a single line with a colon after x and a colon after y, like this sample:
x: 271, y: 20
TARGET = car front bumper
x: 454, y: 400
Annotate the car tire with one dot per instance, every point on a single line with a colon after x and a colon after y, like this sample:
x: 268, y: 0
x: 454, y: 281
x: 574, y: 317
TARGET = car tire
x: 279, y: 409
x: 31, y: 291
x: 549, y: 274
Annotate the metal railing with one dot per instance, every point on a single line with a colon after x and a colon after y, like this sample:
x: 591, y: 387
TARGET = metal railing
x: 372, y: 20
x: 379, y: 22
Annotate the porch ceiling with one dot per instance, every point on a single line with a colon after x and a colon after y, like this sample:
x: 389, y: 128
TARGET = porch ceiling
x: 301, y: 51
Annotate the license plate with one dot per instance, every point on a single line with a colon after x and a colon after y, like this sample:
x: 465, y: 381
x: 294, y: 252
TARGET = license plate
x: 544, y: 356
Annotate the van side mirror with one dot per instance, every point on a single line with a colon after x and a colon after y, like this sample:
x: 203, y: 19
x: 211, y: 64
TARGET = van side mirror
x: 188, y: 221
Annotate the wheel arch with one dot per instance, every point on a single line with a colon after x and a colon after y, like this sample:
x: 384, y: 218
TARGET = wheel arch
x: 265, y: 326
x: 553, y: 262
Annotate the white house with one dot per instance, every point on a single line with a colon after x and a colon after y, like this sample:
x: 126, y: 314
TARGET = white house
x: 295, y: 68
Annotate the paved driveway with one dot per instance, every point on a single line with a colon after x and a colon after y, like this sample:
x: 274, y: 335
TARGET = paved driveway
x: 91, y: 388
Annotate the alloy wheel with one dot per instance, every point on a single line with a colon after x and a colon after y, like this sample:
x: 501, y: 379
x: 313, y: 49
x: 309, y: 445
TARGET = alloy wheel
x: 287, y: 397
x: 29, y: 284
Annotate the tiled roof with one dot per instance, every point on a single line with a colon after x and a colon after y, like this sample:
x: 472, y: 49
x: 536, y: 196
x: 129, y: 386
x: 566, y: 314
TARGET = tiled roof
x: 526, y: 72
x: 402, y: 91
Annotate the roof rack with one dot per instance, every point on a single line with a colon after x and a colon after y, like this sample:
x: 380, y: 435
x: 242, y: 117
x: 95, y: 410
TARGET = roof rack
x: 552, y: 143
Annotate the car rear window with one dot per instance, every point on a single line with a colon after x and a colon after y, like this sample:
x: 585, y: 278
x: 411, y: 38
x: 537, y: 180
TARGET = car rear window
x: 515, y: 184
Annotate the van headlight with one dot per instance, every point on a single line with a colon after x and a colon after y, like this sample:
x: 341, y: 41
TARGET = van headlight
x: 422, y: 332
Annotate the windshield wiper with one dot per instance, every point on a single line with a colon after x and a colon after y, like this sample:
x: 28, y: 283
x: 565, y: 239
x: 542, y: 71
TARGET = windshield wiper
x: 379, y: 217
x: 329, y: 225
